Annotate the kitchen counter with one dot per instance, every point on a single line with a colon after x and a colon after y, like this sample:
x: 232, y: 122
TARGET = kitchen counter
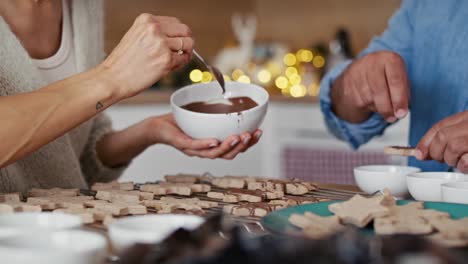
x: 163, y: 97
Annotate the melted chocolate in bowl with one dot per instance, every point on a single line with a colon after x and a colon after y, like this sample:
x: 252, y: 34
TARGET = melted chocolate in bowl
x: 239, y: 104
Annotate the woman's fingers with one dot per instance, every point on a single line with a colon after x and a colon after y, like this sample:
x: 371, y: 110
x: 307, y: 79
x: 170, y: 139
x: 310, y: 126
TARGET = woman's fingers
x: 215, y: 152
x: 229, y: 148
x: 180, y: 43
x: 241, y: 147
x: 255, y: 138
x: 174, y: 30
x: 195, y: 144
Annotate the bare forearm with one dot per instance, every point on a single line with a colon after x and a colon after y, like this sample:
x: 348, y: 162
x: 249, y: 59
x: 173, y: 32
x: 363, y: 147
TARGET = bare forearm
x: 119, y: 148
x: 31, y: 120
x: 343, y: 104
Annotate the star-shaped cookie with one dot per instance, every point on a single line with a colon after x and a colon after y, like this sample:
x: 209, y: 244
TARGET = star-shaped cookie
x: 360, y: 211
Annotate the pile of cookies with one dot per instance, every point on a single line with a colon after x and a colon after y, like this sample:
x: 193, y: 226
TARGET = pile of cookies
x: 114, y: 200
x: 388, y: 219
x: 192, y: 194
x: 241, y: 196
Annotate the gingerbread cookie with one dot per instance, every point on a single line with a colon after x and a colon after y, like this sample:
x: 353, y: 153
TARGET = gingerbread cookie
x: 37, y: 192
x: 360, y: 211
x: 315, y: 226
x: 10, y: 198
x: 114, y: 185
x: 6, y: 209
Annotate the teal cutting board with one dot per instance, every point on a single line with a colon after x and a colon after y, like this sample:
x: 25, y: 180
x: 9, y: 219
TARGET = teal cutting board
x: 278, y: 221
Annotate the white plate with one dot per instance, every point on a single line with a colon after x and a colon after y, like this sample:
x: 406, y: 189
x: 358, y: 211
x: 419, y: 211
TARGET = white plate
x: 55, y: 247
x: 128, y: 231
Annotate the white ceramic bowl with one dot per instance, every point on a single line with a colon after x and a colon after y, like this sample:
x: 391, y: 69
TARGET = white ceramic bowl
x: 219, y: 126
x: 426, y: 186
x: 128, y: 231
x: 373, y: 178
x: 455, y: 192
x: 56, y: 247
x: 40, y: 221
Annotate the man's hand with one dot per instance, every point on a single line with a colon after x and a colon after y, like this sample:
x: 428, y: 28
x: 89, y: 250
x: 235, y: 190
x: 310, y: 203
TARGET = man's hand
x: 376, y: 82
x: 447, y: 141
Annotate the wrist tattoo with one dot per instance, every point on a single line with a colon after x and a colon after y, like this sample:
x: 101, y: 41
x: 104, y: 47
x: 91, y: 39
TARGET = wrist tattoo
x: 99, y: 105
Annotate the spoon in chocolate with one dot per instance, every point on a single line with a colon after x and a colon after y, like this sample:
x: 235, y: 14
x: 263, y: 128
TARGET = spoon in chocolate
x: 218, y: 76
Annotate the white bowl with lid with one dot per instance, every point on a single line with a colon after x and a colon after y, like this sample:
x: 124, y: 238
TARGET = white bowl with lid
x: 219, y: 126
x: 426, y: 186
x: 455, y: 192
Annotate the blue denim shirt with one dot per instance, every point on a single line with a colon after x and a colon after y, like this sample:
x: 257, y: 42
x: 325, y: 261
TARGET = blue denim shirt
x: 432, y: 38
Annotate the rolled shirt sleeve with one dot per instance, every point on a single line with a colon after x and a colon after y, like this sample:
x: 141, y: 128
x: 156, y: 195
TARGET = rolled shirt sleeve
x: 396, y: 38
x: 354, y: 134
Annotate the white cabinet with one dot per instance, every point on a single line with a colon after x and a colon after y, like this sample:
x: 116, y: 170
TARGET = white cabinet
x: 286, y: 126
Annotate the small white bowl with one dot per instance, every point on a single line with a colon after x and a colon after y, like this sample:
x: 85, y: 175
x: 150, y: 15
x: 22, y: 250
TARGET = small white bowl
x: 219, y: 126
x: 57, y: 247
x: 40, y: 221
x: 455, y: 192
x: 374, y: 178
x: 128, y: 231
x: 426, y: 186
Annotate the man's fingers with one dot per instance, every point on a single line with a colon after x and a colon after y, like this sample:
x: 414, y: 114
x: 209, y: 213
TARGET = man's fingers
x: 438, y: 145
x: 457, y: 144
x: 380, y: 93
x: 398, y: 84
x: 426, y: 140
x: 462, y: 164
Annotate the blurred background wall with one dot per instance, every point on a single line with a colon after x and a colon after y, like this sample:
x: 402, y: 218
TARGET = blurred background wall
x: 297, y: 23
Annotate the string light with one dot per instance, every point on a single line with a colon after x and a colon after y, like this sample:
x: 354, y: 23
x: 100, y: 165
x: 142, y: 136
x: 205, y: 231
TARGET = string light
x: 236, y: 74
x: 318, y: 61
x: 295, y: 79
x: 289, y: 59
x: 264, y: 76
x: 290, y: 71
x: 196, y: 76
x: 206, y: 77
x: 298, y: 90
x: 243, y: 79
x: 281, y: 82
x: 304, y: 55
x: 288, y: 76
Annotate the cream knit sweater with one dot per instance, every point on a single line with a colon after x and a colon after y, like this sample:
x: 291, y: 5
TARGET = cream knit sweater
x: 71, y: 160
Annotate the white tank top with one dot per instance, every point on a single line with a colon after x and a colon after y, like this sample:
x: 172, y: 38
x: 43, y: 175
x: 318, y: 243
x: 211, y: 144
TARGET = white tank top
x: 62, y: 64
